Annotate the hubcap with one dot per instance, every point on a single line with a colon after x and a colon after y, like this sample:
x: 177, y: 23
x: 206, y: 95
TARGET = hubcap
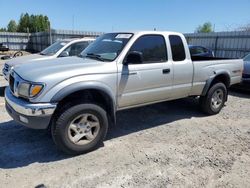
x: 217, y: 99
x: 83, y: 129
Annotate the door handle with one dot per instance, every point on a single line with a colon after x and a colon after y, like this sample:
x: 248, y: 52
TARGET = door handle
x: 166, y: 71
x: 129, y: 73
x: 132, y: 73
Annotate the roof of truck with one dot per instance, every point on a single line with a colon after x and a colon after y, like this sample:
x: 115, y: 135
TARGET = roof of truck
x: 149, y: 32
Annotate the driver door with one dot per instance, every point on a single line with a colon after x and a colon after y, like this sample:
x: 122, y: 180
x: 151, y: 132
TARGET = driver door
x: 148, y: 80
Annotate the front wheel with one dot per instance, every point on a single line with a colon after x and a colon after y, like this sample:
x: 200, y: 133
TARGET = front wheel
x: 215, y: 99
x: 80, y: 128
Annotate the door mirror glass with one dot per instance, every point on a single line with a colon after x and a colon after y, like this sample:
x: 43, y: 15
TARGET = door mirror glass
x: 133, y: 57
x: 64, y: 54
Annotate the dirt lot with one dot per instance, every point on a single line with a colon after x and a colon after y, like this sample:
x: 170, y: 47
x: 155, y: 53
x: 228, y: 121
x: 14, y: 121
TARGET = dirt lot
x: 164, y: 145
x: 12, y: 52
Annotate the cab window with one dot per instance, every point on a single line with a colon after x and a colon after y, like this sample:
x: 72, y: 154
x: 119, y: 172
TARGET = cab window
x: 151, y: 47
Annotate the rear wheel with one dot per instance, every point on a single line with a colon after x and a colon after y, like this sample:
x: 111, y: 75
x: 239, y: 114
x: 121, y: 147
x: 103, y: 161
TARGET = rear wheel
x: 215, y: 99
x: 80, y: 128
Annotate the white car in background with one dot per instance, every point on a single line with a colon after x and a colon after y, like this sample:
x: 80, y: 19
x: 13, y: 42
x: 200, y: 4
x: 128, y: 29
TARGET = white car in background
x: 61, y: 48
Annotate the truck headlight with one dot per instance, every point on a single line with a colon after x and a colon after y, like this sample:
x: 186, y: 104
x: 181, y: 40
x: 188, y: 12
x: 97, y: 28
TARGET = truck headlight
x: 29, y: 90
x: 23, y: 89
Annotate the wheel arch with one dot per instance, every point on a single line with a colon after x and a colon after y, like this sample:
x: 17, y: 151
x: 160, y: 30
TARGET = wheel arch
x: 223, y: 77
x: 89, y: 92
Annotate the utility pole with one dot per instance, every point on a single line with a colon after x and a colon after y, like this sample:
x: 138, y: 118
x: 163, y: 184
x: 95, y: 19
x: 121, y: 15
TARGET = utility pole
x: 28, y: 36
x: 50, y: 36
x: 73, y: 22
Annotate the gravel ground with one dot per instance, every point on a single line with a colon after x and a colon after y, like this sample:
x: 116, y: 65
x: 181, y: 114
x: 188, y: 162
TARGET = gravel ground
x: 171, y: 144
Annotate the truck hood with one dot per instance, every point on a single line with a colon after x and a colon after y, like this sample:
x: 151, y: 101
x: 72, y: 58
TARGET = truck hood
x: 58, y: 69
x: 25, y: 59
x: 246, y: 67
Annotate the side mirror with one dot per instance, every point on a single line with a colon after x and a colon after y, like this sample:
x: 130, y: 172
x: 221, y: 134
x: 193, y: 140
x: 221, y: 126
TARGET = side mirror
x: 133, y: 57
x: 64, y: 54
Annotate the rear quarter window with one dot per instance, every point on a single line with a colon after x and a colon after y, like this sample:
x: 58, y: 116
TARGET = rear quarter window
x: 177, y: 48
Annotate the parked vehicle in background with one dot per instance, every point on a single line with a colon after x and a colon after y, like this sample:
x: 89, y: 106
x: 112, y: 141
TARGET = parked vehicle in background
x: 3, y: 48
x: 78, y: 97
x: 200, y: 51
x: 246, y: 71
x: 61, y: 48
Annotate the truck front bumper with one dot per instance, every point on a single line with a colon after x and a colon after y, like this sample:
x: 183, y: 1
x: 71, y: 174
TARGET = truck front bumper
x: 32, y: 115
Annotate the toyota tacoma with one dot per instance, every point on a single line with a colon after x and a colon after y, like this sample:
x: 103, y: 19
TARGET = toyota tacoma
x: 77, y: 97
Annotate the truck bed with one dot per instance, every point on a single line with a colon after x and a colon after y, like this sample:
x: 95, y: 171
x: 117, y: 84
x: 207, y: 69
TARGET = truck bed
x: 206, y: 68
x: 200, y: 58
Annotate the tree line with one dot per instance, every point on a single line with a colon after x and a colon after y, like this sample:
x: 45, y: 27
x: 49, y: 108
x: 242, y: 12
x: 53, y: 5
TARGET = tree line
x: 28, y: 23
x: 207, y: 27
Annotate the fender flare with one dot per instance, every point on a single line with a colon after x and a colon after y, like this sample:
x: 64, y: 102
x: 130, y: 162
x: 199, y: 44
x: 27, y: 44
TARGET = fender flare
x: 211, y: 79
x: 79, y: 86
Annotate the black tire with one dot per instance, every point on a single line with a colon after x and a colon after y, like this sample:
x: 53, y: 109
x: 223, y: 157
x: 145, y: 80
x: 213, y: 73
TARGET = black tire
x: 60, y: 128
x: 206, y: 101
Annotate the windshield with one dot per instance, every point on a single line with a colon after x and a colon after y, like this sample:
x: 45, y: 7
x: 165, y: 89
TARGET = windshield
x: 54, y: 48
x: 247, y: 58
x: 107, y: 47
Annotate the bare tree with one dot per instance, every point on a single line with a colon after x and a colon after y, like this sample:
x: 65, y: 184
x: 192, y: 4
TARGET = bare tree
x: 244, y: 27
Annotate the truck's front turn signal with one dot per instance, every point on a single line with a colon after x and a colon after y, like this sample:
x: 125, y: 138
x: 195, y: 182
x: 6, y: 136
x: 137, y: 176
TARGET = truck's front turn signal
x: 35, y: 90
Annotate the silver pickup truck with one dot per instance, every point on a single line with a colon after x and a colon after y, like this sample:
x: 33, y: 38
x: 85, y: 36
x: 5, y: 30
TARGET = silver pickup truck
x: 78, y: 97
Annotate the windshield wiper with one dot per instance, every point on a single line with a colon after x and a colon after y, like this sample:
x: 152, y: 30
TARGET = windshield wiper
x: 94, y: 56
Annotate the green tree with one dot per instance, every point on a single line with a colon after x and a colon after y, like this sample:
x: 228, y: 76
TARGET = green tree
x: 33, y: 23
x: 24, y: 23
x: 12, y: 26
x: 3, y: 29
x: 205, y: 28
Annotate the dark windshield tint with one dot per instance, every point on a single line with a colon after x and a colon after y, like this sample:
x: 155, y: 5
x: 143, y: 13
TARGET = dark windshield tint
x: 197, y: 50
x: 76, y: 48
x: 177, y: 48
x: 107, y: 46
x: 54, y: 48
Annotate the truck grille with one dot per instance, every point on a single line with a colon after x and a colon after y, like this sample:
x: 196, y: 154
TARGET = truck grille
x: 11, y: 82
